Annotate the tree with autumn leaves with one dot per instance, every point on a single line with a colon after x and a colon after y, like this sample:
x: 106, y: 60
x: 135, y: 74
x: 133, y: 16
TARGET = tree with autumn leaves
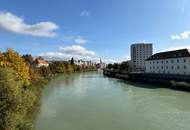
x: 11, y: 59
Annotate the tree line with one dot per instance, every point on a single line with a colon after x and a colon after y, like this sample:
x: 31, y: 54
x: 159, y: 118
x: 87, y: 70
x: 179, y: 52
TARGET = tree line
x: 124, y: 66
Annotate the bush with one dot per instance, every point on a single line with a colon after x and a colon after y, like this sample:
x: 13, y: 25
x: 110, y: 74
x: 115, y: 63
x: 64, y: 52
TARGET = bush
x: 15, y: 102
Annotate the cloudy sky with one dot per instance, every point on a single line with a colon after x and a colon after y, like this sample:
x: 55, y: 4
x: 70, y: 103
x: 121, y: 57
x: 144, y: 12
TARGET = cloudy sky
x: 93, y: 29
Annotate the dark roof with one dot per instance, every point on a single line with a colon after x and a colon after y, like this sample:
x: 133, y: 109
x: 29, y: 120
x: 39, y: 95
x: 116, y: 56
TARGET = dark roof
x: 170, y: 54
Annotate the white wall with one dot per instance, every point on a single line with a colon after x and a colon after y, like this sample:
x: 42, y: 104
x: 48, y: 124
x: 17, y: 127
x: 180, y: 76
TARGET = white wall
x: 40, y: 65
x: 167, y: 67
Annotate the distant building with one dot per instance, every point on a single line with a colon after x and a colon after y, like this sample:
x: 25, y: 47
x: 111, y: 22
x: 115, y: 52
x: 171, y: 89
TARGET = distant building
x: 140, y: 52
x: 101, y: 65
x: 41, y: 62
x: 83, y: 63
x: 170, y: 62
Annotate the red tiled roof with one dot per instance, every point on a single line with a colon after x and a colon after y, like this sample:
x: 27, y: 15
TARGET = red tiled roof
x: 40, y: 61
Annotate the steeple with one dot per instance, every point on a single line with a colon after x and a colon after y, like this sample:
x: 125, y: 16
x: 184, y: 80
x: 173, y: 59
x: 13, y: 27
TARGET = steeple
x: 100, y: 61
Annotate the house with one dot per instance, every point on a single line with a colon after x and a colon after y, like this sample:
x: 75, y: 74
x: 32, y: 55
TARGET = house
x: 83, y: 63
x: 41, y: 62
x: 169, y: 62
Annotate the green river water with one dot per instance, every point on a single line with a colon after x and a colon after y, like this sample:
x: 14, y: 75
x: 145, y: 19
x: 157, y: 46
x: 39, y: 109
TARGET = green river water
x: 91, y: 101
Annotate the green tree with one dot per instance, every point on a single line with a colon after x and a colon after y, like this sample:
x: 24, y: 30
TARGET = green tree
x: 72, y: 61
x: 13, y: 107
x: 28, y: 58
x: 109, y: 66
x: 44, y: 71
x: 124, y: 66
x: 58, y: 67
x: 116, y: 66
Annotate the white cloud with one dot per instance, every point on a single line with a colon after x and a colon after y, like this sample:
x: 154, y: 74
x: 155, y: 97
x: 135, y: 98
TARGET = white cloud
x: 77, y: 50
x: 65, y: 53
x: 183, y: 36
x: 13, y: 23
x: 80, y: 40
x: 85, y: 13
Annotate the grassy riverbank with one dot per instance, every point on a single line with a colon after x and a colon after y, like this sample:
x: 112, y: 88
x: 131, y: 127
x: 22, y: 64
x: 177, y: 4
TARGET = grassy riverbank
x: 21, y: 86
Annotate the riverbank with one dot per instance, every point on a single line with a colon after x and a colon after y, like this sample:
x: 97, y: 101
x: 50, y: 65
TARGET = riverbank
x: 22, y: 82
x: 178, y: 82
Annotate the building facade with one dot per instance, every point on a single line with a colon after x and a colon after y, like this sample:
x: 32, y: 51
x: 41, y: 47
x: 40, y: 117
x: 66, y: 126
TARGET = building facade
x: 139, y: 53
x: 171, y: 62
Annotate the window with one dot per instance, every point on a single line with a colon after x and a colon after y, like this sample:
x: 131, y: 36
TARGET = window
x: 162, y: 67
x: 157, y: 62
x: 184, y: 60
x: 178, y: 67
x: 177, y: 61
x: 166, y: 61
x: 166, y: 67
x: 157, y: 67
x: 153, y: 62
x: 172, y: 61
x: 162, y: 62
x: 172, y: 67
x: 184, y: 67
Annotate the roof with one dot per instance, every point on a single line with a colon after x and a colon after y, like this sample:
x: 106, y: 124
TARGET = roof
x: 170, y: 54
x: 40, y: 61
x: 142, y: 44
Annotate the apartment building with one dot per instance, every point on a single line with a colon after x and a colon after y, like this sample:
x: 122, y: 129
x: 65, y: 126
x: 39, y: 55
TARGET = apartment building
x: 170, y: 62
x: 139, y: 53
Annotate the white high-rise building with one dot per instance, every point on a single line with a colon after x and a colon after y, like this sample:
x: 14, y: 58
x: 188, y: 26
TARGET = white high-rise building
x: 139, y: 53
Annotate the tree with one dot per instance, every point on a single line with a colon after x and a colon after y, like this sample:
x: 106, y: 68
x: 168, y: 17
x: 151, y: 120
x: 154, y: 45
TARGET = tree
x: 14, y: 60
x: 72, y: 61
x: 13, y: 106
x: 28, y: 58
x: 109, y: 66
x: 3, y: 61
x: 116, y: 66
x: 69, y: 68
x: 17, y: 103
x: 44, y: 71
x: 57, y: 67
x: 124, y: 66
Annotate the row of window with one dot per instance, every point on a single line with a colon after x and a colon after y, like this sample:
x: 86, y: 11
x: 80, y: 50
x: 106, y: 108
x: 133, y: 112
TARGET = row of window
x: 172, y: 67
x: 171, y: 61
x: 165, y: 72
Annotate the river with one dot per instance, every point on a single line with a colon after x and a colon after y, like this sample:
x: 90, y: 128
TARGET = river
x: 91, y: 101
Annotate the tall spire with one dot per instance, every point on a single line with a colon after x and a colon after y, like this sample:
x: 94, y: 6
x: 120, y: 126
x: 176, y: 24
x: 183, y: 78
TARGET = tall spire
x: 100, y: 61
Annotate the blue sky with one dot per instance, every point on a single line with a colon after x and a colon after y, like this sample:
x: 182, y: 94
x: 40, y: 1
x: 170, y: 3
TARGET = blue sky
x: 93, y: 28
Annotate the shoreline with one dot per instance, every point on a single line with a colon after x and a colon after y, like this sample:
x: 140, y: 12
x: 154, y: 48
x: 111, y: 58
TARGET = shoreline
x: 176, y: 82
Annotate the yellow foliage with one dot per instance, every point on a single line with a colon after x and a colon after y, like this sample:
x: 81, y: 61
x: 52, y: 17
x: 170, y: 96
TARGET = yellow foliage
x: 14, y: 60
